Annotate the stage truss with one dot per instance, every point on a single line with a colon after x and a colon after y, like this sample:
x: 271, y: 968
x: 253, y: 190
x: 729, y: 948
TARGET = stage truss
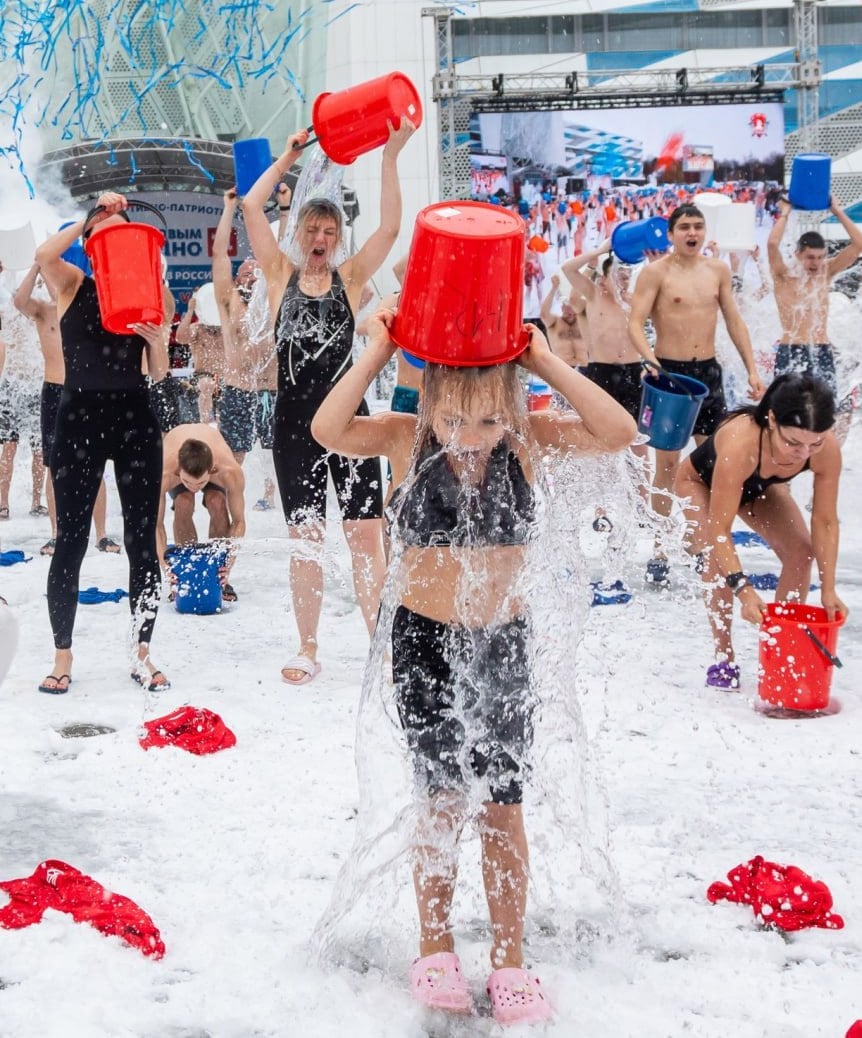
x: 457, y: 95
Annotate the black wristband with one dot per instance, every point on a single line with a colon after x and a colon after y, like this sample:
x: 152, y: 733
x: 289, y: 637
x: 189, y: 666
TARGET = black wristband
x: 733, y: 580
x: 741, y: 586
x: 283, y: 208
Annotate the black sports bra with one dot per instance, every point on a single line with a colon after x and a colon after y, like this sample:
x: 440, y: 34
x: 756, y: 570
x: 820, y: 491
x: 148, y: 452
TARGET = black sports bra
x: 703, y: 459
x: 433, y: 508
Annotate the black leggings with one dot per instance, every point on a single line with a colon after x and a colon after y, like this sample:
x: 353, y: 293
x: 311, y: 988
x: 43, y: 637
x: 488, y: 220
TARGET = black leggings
x: 94, y: 426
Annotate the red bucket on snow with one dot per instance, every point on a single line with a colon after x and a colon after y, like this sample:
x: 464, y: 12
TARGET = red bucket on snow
x: 797, y: 656
x: 461, y: 298
x: 350, y: 122
x: 127, y: 267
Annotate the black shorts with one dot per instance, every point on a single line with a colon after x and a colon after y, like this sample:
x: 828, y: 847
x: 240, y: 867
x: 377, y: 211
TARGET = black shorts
x: 49, y: 405
x: 19, y: 406
x: 714, y: 406
x: 465, y: 702
x: 621, y: 381
x: 236, y: 418
x: 817, y: 359
x: 302, y: 465
x: 174, y: 492
x: 165, y: 402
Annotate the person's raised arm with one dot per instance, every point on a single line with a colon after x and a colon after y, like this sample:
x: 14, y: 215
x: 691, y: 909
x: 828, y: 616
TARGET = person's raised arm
x: 850, y: 253
x: 264, y: 247
x: 222, y: 272
x: 185, y: 329
x: 601, y: 424
x: 738, y: 332
x: 370, y: 257
x: 777, y: 266
x: 23, y: 298
x: 573, y: 269
x: 826, y: 466
x: 548, y: 319
x: 336, y: 426
x: 643, y: 301
x: 283, y: 196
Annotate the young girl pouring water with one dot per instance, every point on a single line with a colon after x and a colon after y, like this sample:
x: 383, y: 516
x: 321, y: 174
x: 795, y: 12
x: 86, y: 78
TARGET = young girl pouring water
x: 462, y: 515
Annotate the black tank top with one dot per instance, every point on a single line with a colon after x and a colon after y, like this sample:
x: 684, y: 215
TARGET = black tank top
x: 436, y: 509
x: 95, y: 358
x: 314, y: 339
x: 703, y: 459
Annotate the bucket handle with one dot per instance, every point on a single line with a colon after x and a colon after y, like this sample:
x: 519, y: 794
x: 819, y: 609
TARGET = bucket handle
x: 132, y: 201
x: 832, y: 659
x: 310, y: 141
x: 683, y: 388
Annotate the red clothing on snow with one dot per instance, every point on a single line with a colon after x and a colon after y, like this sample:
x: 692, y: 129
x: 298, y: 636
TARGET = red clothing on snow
x: 57, y: 885
x: 781, y: 895
x: 199, y: 731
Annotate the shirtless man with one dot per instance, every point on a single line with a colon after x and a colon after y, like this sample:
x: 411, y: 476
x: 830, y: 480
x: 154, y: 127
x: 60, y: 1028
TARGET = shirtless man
x: 207, y: 348
x: 43, y: 314
x: 802, y: 298
x: 614, y: 363
x: 683, y: 293
x: 196, y: 459
x: 564, y: 334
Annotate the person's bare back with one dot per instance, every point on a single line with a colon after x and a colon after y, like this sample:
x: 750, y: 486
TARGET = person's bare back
x: 229, y: 472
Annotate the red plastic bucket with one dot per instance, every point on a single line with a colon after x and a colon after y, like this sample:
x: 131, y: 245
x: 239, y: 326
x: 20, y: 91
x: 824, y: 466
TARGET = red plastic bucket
x: 127, y: 267
x: 350, y: 122
x: 797, y: 656
x: 461, y: 299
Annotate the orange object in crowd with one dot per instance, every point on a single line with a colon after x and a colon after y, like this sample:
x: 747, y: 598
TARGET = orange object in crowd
x: 538, y: 244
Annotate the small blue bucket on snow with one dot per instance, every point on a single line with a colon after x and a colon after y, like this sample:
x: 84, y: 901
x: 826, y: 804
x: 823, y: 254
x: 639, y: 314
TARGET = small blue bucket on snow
x: 669, y: 408
x: 196, y: 568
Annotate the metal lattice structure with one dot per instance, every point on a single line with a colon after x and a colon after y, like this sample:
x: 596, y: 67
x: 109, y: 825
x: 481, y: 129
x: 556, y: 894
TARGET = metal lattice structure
x: 458, y: 95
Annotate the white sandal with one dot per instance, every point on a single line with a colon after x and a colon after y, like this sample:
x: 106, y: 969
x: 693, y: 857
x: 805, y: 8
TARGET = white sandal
x: 309, y: 668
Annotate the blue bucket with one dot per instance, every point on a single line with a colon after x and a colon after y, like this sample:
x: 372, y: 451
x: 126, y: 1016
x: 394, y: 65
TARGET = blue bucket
x: 668, y: 413
x: 196, y: 566
x: 75, y: 253
x: 632, y: 239
x: 810, y: 181
x: 250, y: 158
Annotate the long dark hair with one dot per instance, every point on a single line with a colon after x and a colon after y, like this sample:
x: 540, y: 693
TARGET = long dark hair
x: 798, y: 401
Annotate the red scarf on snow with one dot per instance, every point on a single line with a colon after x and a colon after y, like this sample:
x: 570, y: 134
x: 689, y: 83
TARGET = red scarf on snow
x: 196, y: 730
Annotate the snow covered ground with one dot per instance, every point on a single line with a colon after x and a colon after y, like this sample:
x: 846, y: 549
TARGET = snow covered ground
x: 235, y: 856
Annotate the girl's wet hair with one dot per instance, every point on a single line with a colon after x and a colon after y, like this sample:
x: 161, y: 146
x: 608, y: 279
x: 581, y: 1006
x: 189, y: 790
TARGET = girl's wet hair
x: 322, y: 209
x: 680, y: 212
x: 796, y: 401
x: 459, y: 387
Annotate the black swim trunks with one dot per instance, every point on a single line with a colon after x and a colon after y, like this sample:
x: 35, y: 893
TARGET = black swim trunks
x: 236, y: 418
x: 621, y: 381
x: 817, y: 359
x: 466, y: 703
x: 714, y: 406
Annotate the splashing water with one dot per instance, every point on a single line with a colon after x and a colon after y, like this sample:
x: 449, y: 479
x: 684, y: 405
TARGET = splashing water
x: 574, y: 892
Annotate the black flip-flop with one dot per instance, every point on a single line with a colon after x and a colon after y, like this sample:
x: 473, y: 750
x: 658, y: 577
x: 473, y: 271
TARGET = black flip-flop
x: 153, y: 686
x: 107, y: 544
x: 48, y: 547
x: 56, y: 691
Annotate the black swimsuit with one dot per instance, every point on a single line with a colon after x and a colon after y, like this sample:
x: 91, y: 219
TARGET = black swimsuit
x: 436, y: 509
x: 703, y: 460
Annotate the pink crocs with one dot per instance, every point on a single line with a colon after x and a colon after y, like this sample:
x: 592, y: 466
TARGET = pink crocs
x: 516, y: 997
x: 436, y: 982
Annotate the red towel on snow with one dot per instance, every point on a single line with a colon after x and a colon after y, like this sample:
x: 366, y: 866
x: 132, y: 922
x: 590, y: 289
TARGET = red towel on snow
x: 189, y: 728
x: 57, y: 885
x: 781, y: 895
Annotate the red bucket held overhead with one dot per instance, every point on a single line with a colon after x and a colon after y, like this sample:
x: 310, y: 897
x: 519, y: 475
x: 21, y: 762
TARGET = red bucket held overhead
x: 127, y: 268
x: 350, y: 122
x: 797, y: 656
x: 461, y: 298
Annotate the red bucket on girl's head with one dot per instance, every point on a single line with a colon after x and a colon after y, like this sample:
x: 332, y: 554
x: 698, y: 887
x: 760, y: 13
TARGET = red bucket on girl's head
x: 127, y: 267
x: 461, y: 298
x: 797, y: 656
x: 350, y: 122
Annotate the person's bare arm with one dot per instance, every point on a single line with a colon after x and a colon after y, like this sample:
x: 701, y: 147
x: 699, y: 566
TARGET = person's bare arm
x: 370, y: 257
x: 548, y: 319
x: 737, y: 330
x: 236, y: 503
x: 283, y: 196
x: 850, y: 253
x: 826, y: 466
x: 263, y: 244
x: 777, y: 266
x: 398, y: 269
x: 2, y: 356
x: 643, y: 300
x: 573, y: 268
x: 185, y: 329
x: 161, y: 536
x: 23, y: 300
x: 222, y: 272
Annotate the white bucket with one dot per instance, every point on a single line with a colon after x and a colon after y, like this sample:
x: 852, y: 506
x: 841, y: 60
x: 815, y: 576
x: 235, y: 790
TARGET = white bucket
x: 17, y: 247
x: 205, y: 305
x: 734, y: 231
x: 709, y: 203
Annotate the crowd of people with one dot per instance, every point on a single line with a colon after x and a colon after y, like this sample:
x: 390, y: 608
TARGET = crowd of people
x: 457, y: 510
